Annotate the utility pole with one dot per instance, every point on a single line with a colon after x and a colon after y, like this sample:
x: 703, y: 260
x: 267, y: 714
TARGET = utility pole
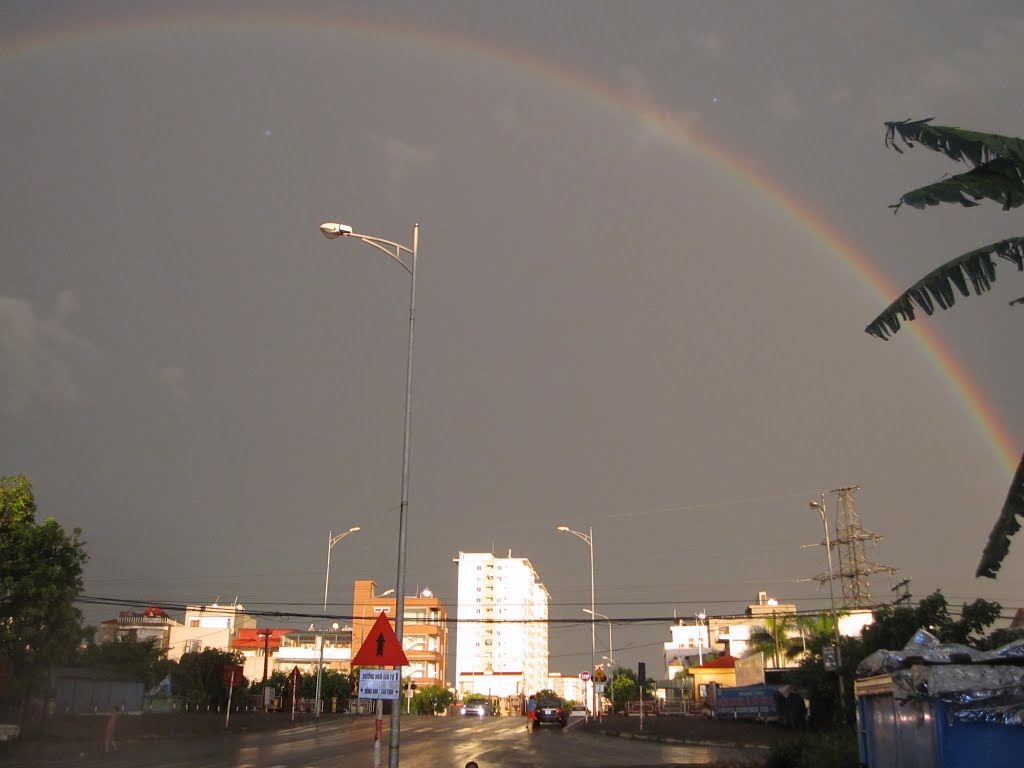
x: 265, y: 634
x: 905, y: 597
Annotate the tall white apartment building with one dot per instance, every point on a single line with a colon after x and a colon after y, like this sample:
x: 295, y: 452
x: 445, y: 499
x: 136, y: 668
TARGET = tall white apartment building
x: 501, y: 628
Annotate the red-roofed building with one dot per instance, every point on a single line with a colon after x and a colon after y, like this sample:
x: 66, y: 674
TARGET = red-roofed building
x: 259, y: 639
x: 290, y: 648
x: 257, y: 645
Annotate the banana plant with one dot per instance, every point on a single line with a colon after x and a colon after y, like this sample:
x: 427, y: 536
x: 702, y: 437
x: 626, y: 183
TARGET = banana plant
x: 995, y: 171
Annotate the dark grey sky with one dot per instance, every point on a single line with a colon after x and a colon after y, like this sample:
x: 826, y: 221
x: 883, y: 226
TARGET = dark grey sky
x: 614, y: 328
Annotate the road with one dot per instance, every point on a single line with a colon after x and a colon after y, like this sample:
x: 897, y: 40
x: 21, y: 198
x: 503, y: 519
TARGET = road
x: 427, y: 742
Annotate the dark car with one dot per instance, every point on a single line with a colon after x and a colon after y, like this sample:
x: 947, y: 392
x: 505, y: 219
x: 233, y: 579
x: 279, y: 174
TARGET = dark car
x: 551, y: 711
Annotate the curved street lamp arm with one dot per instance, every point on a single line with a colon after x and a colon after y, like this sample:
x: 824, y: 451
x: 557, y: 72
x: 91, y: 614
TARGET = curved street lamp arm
x: 577, y: 534
x: 379, y: 243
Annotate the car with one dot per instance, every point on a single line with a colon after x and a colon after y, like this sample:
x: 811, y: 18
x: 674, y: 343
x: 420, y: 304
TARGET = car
x: 578, y: 710
x: 551, y: 711
x: 479, y: 707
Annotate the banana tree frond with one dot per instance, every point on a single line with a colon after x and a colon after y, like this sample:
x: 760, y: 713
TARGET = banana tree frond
x: 974, y: 270
x: 999, y: 179
x: 1007, y: 525
x: 957, y: 144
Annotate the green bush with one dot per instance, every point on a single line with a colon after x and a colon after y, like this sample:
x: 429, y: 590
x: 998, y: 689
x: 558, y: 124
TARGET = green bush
x: 832, y: 749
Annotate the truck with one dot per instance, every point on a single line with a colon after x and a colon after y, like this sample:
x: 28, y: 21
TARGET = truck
x: 744, y: 702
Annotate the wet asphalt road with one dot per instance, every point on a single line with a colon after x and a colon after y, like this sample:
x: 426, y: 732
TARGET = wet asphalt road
x: 428, y: 742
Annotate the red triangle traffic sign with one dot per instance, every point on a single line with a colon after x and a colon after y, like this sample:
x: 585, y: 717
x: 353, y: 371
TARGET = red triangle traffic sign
x: 381, y: 647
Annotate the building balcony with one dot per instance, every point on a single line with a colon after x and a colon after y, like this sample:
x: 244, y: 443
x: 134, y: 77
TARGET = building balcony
x: 301, y: 655
x: 145, y: 621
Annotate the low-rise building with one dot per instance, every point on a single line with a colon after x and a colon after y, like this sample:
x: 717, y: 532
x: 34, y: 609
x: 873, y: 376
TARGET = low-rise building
x: 152, y: 624
x: 208, y: 626
x: 568, y: 687
x: 693, y: 641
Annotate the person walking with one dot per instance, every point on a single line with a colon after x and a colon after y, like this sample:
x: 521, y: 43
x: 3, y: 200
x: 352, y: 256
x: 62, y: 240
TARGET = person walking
x: 531, y: 711
x: 109, y: 745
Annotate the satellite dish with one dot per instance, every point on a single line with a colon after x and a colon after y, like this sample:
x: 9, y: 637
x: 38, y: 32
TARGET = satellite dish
x: 426, y: 592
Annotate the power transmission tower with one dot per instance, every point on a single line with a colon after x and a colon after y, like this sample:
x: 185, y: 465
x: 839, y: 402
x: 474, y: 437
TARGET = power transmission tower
x: 855, y: 569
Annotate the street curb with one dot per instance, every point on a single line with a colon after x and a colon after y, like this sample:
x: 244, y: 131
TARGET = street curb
x: 686, y: 742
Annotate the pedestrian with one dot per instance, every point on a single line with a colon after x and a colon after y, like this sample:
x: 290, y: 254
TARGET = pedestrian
x: 109, y: 745
x: 531, y: 711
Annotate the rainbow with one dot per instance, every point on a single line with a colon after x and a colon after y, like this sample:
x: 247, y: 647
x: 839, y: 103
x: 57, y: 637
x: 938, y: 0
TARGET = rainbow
x: 681, y: 132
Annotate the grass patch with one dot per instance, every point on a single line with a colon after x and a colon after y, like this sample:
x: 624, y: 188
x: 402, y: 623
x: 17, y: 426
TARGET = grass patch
x: 831, y: 749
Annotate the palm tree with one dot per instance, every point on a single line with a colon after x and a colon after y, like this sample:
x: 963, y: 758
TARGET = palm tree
x: 996, y: 172
x: 778, y: 639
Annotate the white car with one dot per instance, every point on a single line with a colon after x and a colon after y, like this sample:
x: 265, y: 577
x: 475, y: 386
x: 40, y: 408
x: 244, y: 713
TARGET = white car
x: 578, y: 711
x: 478, y: 707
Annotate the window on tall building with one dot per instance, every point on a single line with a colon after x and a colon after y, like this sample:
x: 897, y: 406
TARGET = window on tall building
x: 193, y: 622
x: 193, y: 646
x: 417, y: 615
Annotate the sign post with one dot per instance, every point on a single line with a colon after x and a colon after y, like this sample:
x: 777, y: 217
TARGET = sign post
x: 295, y: 687
x: 585, y: 677
x: 380, y: 649
x: 229, y: 679
x: 599, y: 680
x: 641, y: 674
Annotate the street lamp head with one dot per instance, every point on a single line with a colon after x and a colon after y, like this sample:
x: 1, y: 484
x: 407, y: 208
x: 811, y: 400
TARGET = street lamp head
x: 331, y: 229
x: 353, y: 530
x: 563, y: 528
x: 814, y: 505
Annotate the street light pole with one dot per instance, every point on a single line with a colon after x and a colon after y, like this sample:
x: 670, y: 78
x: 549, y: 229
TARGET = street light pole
x: 611, y: 649
x: 589, y: 539
x: 700, y: 638
x: 820, y: 506
x: 394, y: 250
x: 331, y: 541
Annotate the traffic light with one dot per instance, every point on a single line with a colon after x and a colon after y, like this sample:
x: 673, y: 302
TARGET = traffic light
x: 641, y: 673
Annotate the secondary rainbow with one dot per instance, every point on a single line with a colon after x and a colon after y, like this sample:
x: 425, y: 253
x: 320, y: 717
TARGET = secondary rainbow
x: 554, y: 74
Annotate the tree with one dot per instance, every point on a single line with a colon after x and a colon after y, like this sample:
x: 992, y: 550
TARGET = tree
x: 40, y: 579
x: 333, y: 684
x: 432, y: 700
x: 199, y: 677
x: 142, y: 659
x: 685, y: 683
x: 894, y: 625
x: 626, y: 688
x: 996, y: 173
